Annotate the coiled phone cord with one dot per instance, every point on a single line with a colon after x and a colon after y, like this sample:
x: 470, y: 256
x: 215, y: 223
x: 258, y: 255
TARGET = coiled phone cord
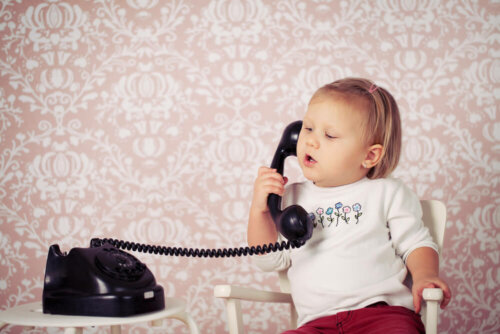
x: 178, y: 251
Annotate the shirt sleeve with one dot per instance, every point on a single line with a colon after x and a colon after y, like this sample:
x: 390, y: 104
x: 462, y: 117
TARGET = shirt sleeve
x: 279, y: 260
x: 405, y: 223
x: 274, y: 261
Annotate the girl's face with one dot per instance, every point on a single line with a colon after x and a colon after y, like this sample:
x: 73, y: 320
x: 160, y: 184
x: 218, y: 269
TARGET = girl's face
x: 331, y: 148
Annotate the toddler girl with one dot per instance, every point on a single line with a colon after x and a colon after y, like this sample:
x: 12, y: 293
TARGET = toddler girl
x: 368, y: 230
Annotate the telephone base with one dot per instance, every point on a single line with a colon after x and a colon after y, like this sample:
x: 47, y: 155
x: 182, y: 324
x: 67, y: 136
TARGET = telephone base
x: 106, y: 305
x: 99, y: 281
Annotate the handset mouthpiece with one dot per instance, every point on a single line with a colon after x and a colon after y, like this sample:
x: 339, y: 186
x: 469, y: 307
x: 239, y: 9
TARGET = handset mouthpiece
x: 295, y: 224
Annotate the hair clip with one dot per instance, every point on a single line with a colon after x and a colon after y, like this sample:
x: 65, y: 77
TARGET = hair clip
x: 373, y: 88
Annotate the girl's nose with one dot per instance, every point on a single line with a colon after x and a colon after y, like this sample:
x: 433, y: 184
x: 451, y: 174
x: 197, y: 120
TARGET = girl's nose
x: 312, y: 141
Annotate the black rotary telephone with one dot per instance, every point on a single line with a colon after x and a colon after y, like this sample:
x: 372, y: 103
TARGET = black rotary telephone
x: 99, y: 281
x: 105, y: 281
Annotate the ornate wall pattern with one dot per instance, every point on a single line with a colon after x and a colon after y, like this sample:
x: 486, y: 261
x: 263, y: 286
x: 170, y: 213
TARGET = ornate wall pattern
x: 147, y: 120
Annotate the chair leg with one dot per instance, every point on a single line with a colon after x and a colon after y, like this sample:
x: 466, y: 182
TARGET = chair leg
x: 188, y: 320
x: 293, y: 316
x: 431, y: 317
x: 234, y: 317
x: 116, y: 329
x: 432, y: 297
x: 156, y: 323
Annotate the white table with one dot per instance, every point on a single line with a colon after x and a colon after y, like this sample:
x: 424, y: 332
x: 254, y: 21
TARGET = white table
x: 31, y: 315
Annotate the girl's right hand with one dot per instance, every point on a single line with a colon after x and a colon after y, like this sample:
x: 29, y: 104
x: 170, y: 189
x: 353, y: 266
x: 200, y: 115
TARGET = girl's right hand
x: 268, y: 181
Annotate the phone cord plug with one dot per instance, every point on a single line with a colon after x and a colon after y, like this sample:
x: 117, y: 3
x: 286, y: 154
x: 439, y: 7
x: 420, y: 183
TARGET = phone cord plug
x: 196, y: 252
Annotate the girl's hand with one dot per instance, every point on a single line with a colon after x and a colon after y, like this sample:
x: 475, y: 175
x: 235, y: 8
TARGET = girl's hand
x: 268, y: 181
x: 429, y: 282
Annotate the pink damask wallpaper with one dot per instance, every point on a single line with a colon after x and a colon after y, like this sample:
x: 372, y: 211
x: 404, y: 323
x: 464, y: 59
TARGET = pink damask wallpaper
x: 147, y: 120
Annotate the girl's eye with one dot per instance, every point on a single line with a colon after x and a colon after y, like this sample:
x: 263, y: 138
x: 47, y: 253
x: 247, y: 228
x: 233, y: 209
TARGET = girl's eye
x: 329, y: 136
x: 308, y: 129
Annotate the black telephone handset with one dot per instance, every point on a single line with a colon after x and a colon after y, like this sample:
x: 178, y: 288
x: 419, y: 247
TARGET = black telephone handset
x: 293, y: 223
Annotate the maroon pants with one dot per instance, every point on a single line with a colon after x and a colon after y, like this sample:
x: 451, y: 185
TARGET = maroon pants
x: 378, y: 318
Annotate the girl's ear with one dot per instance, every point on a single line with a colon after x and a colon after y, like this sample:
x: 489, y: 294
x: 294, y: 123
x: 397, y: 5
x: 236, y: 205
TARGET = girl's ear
x: 373, y: 156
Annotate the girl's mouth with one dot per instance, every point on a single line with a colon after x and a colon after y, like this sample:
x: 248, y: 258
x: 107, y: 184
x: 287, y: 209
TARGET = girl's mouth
x: 309, y: 160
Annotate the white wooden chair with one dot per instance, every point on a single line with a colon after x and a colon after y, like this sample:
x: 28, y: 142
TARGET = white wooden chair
x: 434, y: 217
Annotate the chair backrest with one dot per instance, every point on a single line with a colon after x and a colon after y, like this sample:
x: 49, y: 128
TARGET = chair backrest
x: 434, y: 218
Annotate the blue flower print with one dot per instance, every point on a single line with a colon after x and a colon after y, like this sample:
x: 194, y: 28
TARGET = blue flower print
x: 329, y: 212
x: 338, y: 206
x: 357, y: 208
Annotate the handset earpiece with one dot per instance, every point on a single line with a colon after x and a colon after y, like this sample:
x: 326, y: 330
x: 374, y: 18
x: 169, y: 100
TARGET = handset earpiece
x: 293, y: 223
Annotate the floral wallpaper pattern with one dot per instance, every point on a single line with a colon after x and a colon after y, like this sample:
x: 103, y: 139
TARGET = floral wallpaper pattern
x: 147, y: 120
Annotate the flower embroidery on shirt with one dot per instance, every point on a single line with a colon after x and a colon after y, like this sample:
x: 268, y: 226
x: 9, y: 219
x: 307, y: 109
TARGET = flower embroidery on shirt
x: 338, y: 213
x: 357, y: 208
x: 320, y: 211
x: 329, y: 212
x: 346, y: 210
x: 338, y: 206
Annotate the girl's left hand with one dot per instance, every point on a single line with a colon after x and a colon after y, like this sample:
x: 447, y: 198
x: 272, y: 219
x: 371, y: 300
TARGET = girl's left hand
x: 429, y: 282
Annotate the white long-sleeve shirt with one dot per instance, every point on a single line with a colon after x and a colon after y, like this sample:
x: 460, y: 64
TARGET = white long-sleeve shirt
x: 356, y: 256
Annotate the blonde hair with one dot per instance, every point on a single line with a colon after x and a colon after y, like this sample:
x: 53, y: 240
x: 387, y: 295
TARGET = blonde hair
x: 383, y: 123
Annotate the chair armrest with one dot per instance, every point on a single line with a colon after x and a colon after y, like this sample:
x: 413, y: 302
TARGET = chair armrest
x: 434, y: 294
x: 250, y: 294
